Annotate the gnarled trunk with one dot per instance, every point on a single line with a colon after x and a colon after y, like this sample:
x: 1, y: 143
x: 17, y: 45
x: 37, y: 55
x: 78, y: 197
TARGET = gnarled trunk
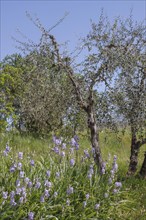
x: 94, y: 138
x: 134, y: 154
x: 143, y: 168
x: 88, y: 107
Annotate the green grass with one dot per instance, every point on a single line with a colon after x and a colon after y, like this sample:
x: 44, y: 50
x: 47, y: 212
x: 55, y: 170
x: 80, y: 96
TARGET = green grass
x: 129, y: 203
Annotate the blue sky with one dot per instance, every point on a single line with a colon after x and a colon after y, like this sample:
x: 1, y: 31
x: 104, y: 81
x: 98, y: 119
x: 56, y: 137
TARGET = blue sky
x: 76, y: 24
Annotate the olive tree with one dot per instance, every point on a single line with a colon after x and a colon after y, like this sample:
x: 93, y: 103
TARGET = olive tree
x: 42, y: 109
x: 129, y: 92
x: 104, y: 51
x: 130, y: 97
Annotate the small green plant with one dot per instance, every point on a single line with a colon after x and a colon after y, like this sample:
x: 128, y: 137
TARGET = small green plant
x: 62, y: 184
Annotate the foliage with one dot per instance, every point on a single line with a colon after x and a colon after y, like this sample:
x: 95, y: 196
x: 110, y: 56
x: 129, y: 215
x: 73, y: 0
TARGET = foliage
x: 129, y: 93
x: 47, y: 96
x: 63, y: 187
x: 10, y: 89
x: 37, y: 159
x: 129, y: 88
x: 61, y: 93
x: 35, y: 93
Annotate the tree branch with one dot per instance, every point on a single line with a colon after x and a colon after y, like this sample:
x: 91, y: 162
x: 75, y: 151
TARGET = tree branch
x: 142, y: 142
x: 69, y: 72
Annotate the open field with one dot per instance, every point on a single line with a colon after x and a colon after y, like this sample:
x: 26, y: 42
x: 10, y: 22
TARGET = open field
x: 62, y: 182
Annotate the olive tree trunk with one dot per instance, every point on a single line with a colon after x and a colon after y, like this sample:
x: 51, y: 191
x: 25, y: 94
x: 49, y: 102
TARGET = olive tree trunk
x: 135, y: 147
x: 94, y: 138
x: 134, y: 154
x: 143, y: 168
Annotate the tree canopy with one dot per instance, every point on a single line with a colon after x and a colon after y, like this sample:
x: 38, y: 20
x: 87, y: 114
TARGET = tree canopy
x: 49, y: 89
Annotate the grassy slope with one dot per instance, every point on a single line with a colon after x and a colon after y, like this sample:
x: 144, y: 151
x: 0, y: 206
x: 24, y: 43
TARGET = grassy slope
x: 110, y: 143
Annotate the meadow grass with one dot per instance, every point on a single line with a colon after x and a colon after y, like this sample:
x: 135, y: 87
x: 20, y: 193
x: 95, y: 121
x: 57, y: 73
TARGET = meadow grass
x: 63, y: 182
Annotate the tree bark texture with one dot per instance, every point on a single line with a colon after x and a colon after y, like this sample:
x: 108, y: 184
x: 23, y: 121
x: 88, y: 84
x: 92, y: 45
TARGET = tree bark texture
x: 134, y: 155
x: 94, y: 139
x: 143, y: 168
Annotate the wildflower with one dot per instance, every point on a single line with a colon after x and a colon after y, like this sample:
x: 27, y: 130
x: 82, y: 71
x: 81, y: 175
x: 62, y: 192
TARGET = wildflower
x: 115, y: 166
x: 72, y: 162
x: 30, y: 216
x: 97, y: 206
x: 90, y: 172
x: 87, y: 196
x: 112, y: 173
x: 18, y: 191
x: 17, y: 183
x: 115, y: 191
x: 29, y: 184
x: 67, y: 202
x: 115, y: 157
x: 70, y: 190
x: 63, y: 154
x: 91, y: 169
x: 57, y: 174
x: 32, y: 162
x: 87, y: 153
x: 37, y: 185
x: 42, y: 199
x: 22, y: 174
x: 5, y: 195
x: 20, y: 155
x: 103, y: 168
x: 12, y: 202
x: 56, y: 140
x: 71, y: 150
x: 12, y: 169
x: 46, y: 193
x: 93, y: 151
x: 74, y: 143
x: 89, y: 175
x: 55, y: 194
x: 26, y: 180
x: 48, y: 173
x: 110, y: 181
x: 23, y: 191
x: 5, y: 153
x: 12, y: 194
x: 15, y: 165
x: 103, y: 171
x: 56, y: 150
x: 76, y: 138
x: 118, y: 184
x: 63, y: 146
x: 77, y: 146
x: 7, y: 148
x: 47, y: 184
x: 19, y: 166
x: 21, y: 200
x: 84, y: 204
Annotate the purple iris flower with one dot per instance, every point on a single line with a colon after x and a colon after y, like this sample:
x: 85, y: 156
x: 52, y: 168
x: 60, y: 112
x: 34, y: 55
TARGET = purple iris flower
x: 48, y: 173
x: 20, y: 155
x: 70, y: 190
x: 5, y: 195
x: 72, y: 162
x: 30, y: 215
